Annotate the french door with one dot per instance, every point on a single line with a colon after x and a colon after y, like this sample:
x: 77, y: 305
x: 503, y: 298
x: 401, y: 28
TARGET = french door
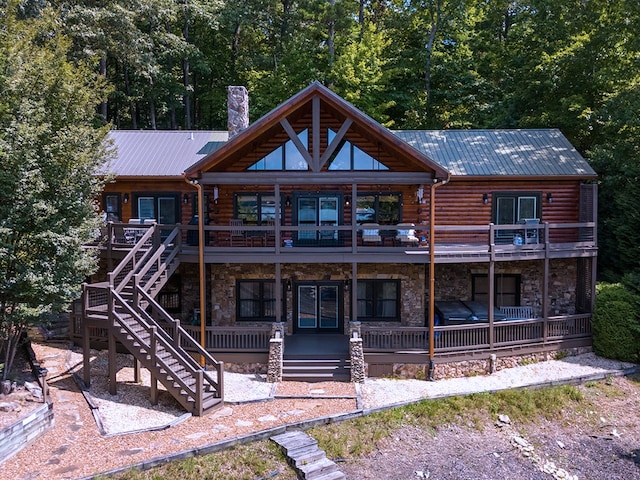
x: 318, y: 307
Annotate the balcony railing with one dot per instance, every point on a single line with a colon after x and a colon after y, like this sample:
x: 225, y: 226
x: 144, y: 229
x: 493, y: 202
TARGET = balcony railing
x: 451, y: 242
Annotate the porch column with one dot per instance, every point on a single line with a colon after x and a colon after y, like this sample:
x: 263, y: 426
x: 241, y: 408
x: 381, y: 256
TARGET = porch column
x: 277, y: 223
x: 278, y: 289
x: 492, y: 270
x: 354, y: 219
x: 545, y: 286
x: 353, y: 292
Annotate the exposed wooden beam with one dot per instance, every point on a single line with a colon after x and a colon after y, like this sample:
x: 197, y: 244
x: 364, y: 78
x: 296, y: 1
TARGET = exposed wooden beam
x: 296, y: 141
x: 315, y: 131
x: 346, y: 177
x: 335, y: 142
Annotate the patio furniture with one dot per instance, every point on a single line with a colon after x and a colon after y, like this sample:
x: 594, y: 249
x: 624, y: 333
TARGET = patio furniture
x: 237, y: 236
x: 371, y: 233
x: 406, y: 234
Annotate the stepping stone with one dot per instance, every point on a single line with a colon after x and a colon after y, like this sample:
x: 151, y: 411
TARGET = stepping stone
x: 197, y: 435
x: 243, y: 423
x: 267, y: 418
x: 223, y: 412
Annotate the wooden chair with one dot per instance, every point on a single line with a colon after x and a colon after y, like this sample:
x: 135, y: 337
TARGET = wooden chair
x: 371, y: 233
x: 406, y: 234
x: 237, y: 236
x: 270, y: 235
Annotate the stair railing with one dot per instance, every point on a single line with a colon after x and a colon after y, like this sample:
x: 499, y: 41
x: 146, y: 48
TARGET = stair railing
x: 159, y: 338
x: 180, y: 337
x: 171, y: 244
x: 121, y: 275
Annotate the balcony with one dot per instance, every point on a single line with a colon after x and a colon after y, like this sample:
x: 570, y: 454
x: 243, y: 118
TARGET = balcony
x: 380, y: 243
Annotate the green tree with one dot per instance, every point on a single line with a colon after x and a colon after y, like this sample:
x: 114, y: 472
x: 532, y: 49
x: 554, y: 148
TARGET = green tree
x: 51, y: 155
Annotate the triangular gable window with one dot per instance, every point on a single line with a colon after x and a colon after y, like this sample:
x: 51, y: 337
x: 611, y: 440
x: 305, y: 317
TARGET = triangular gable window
x: 285, y: 157
x: 350, y: 157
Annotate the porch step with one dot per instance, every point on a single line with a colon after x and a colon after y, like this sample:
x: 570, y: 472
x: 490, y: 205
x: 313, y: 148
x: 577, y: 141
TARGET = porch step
x: 320, y: 370
x: 309, y: 461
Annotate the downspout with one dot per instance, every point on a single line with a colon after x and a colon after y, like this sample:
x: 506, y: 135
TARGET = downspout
x: 203, y: 313
x: 432, y: 276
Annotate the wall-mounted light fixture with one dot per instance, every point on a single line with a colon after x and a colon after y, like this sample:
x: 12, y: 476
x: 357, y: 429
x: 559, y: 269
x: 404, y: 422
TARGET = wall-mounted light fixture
x: 288, y: 284
x: 549, y: 197
x: 420, y: 193
x: 347, y: 200
x: 347, y: 285
x: 287, y: 201
x: 216, y: 194
x: 485, y: 198
x: 185, y: 198
x: 125, y: 199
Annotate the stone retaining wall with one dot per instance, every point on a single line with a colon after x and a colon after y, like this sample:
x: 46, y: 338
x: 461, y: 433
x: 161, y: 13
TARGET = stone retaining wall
x: 470, y: 368
x: 17, y: 436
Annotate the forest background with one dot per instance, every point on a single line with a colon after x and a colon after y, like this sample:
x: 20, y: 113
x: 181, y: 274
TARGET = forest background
x: 410, y: 64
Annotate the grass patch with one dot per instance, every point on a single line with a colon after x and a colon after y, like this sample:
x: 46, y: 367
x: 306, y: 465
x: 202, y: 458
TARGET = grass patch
x: 361, y: 436
x: 244, y: 462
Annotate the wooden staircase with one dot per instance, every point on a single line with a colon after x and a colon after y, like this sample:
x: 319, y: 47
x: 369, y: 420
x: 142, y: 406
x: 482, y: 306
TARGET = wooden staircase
x: 125, y: 305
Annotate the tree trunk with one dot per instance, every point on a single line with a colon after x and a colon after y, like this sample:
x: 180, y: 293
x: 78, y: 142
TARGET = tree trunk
x: 331, y: 33
x: 435, y: 24
x: 186, y: 98
x: 152, y: 114
x: 103, y: 72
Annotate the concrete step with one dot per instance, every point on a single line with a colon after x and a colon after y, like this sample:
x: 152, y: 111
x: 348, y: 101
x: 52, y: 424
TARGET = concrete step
x: 303, y: 454
x: 303, y: 370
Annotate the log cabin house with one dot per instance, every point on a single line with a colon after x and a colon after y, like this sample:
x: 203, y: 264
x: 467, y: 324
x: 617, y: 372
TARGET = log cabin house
x: 328, y: 241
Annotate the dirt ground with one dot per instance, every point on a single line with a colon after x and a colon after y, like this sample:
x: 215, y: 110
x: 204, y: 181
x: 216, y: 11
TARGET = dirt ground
x: 599, y: 441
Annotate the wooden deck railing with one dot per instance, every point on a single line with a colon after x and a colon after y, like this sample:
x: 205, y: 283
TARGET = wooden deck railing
x: 233, y: 339
x: 476, y: 336
x: 452, y: 242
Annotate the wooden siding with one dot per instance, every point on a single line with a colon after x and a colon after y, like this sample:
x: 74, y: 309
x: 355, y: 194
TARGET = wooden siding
x: 457, y: 203
x: 355, y: 135
x: 170, y: 186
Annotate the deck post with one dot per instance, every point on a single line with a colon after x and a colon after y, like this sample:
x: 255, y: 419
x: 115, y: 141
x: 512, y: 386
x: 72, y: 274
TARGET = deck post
x: 112, y: 361
x: 545, y: 286
x: 492, y: 269
x: 86, y: 343
x: 152, y: 353
x: 279, y: 293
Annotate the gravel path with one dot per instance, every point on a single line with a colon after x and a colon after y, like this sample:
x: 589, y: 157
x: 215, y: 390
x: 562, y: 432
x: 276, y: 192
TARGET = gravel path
x: 76, y: 447
x: 381, y: 392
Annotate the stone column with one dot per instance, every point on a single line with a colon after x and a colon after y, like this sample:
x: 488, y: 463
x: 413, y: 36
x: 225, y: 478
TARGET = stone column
x: 357, y: 360
x: 274, y: 369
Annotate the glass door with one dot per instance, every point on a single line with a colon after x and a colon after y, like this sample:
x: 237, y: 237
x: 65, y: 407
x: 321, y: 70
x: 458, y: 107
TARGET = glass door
x: 318, y: 307
x: 318, y: 210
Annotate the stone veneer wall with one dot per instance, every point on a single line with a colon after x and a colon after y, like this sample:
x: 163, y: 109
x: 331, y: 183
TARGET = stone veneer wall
x: 223, y: 277
x: 470, y: 368
x: 453, y: 282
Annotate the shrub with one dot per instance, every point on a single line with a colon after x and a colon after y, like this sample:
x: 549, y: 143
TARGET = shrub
x: 616, y: 323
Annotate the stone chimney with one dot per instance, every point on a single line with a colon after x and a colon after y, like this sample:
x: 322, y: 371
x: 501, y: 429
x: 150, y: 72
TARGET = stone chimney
x: 237, y: 110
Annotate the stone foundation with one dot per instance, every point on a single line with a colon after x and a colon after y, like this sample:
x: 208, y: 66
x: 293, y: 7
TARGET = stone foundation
x: 471, y: 368
x: 245, y: 368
